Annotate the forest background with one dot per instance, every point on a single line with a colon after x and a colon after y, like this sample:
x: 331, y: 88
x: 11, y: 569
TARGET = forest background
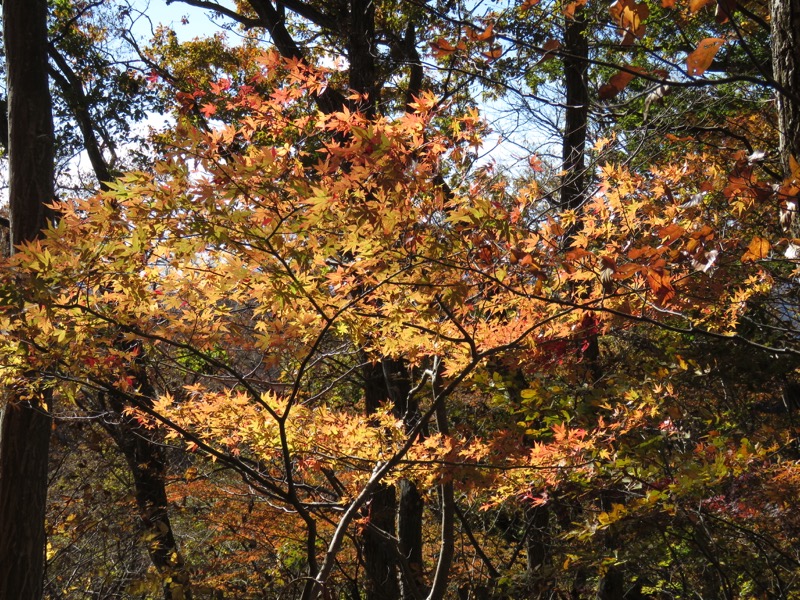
x: 404, y: 300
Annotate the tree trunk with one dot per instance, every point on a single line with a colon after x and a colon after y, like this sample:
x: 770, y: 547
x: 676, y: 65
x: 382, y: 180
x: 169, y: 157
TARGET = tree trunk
x: 576, y: 63
x: 147, y: 463
x: 409, y: 534
x: 785, y: 25
x: 537, y: 545
x: 25, y: 423
x: 380, y: 558
x: 143, y: 454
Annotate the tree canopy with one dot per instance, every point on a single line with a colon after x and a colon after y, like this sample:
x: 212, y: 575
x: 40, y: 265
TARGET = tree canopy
x: 414, y: 300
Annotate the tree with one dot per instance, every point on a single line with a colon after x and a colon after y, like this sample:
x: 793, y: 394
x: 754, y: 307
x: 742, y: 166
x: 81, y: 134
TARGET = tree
x: 25, y: 423
x: 784, y: 21
x: 303, y: 251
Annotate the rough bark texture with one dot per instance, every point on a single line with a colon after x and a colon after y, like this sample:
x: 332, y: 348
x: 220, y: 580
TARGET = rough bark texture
x: 25, y: 424
x: 576, y: 63
x: 785, y: 24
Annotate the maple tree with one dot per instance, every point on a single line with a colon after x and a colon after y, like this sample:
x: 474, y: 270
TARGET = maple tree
x: 332, y: 311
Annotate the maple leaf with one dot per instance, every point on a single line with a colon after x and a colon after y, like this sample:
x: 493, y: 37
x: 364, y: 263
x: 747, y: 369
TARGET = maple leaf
x: 208, y: 110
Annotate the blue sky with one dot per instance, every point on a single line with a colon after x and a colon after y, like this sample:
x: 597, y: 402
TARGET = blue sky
x: 198, y: 20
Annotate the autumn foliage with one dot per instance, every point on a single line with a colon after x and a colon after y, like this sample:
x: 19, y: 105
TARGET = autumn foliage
x: 607, y: 387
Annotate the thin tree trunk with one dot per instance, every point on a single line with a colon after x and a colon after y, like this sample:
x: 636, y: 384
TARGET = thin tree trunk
x: 25, y: 424
x: 785, y: 43
x: 447, y: 545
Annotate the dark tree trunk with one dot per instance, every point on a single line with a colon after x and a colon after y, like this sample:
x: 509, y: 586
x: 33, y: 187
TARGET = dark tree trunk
x: 147, y: 463
x: 409, y: 533
x: 71, y: 88
x: 25, y: 424
x: 576, y: 63
x: 537, y: 545
x: 380, y: 558
x: 143, y: 454
x: 361, y: 53
x: 785, y: 24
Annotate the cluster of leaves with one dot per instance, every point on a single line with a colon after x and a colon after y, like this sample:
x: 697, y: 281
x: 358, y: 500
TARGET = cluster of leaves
x: 608, y: 372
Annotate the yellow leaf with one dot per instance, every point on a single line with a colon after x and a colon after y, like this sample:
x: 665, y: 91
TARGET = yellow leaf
x: 758, y: 249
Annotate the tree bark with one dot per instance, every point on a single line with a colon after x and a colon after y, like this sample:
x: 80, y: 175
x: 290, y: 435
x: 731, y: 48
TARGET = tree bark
x: 785, y: 42
x: 380, y: 559
x: 147, y: 463
x: 576, y: 64
x: 25, y: 424
x: 409, y: 533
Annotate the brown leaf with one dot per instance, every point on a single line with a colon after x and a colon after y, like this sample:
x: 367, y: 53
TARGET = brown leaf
x: 630, y: 18
x: 441, y: 48
x: 549, y: 47
x: 794, y: 167
x: 618, y: 82
x: 569, y: 9
x: 699, y: 60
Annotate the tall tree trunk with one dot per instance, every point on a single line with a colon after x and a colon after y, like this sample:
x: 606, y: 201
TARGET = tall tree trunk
x: 785, y: 25
x: 537, y: 545
x: 409, y: 533
x: 380, y: 558
x: 25, y: 423
x: 576, y: 63
x: 146, y: 460
x: 361, y: 52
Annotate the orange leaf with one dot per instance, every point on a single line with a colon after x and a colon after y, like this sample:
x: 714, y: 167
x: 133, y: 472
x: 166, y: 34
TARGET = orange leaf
x: 208, y: 110
x: 618, y: 82
x: 484, y: 35
x: 569, y: 9
x: 441, y: 48
x: 794, y: 167
x: 695, y: 5
x: 493, y: 53
x: 630, y: 18
x: 758, y: 249
x: 627, y: 270
x: 699, y: 60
